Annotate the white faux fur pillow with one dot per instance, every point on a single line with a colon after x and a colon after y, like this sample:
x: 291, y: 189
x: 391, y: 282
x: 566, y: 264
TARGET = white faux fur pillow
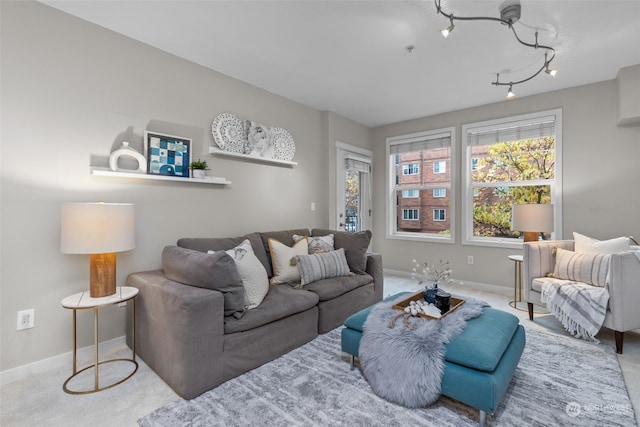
x: 283, y: 259
x: 588, y: 245
x: 580, y: 267
x: 252, y: 272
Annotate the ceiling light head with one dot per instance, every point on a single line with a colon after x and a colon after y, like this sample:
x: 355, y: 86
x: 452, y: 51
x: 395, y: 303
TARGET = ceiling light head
x: 551, y: 71
x: 510, y: 93
x: 445, y: 33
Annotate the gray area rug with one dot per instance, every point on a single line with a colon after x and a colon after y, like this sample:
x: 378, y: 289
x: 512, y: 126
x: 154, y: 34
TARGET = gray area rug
x: 560, y: 381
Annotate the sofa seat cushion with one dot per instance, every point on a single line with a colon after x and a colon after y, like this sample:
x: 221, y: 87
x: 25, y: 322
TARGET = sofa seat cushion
x: 281, y: 301
x: 483, y: 341
x: 328, y: 289
x: 537, y: 283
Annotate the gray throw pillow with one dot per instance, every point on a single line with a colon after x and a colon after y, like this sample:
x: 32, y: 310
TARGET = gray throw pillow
x: 324, y: 265
x: 212, y: 271
x: 355, y: 246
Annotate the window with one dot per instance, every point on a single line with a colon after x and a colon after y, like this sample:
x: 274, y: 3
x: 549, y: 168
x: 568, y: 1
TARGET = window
x: 410, y: 194
x: 411, y: 169
x: 410, y: 214
x: 409, y: 160
x: 440, y: 167
x: 509, y: 161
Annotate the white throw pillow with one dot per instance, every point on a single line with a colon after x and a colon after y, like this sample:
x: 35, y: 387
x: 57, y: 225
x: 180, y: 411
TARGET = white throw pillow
x: 283, y: 259
x: 588, y: 245
x: 252, y: 272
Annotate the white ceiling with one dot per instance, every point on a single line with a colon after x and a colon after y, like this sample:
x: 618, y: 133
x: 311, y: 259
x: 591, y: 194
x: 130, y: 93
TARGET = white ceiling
x: 349, y: 57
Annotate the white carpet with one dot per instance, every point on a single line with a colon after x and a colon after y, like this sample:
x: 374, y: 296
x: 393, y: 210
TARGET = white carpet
x: 560, y: 381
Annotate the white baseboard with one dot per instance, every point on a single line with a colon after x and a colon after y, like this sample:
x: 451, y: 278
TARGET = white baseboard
x: 60, y: 361
x: 500, y: 290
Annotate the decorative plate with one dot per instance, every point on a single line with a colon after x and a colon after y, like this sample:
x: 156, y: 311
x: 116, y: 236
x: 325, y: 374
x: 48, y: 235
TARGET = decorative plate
x: 228, y: 132
x: 283, y: 146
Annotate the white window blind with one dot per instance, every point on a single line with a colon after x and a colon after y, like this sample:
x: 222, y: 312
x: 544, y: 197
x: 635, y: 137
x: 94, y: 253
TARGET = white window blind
x: 431, y: 142
x: 358, y: 165
x: 512, y: 131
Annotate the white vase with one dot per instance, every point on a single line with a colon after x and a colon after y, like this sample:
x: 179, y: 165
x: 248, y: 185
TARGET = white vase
x: 126, y: 151
x: 198, y: 173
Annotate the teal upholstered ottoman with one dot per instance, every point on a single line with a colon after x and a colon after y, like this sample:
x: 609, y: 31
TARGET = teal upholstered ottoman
x: 479, y: 363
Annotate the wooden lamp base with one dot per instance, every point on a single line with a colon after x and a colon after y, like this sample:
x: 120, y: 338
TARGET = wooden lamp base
x: 102, y: 275
x: 531, y: 236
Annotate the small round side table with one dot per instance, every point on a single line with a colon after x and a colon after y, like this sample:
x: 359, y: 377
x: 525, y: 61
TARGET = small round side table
x: 83, y: 301
x: 517, y: 282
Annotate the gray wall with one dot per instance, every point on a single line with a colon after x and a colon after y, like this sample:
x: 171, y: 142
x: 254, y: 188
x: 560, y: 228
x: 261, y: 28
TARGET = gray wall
x: 601, y: 196
x: 73, y: 91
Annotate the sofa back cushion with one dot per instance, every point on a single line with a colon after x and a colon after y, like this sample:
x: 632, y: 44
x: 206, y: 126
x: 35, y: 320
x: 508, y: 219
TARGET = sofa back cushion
x: 355, y: 246
x: 212, y: 271
x: 205, y: 244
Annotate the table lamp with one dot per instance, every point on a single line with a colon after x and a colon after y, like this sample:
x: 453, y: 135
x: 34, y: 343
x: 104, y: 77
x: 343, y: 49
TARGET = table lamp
x: 532, y: 219
x: 99, y: 229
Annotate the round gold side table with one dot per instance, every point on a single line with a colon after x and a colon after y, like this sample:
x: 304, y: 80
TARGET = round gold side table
x: 82, y: 301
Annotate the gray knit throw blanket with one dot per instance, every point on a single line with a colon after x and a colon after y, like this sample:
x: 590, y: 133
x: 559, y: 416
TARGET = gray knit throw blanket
x: 405, y: 366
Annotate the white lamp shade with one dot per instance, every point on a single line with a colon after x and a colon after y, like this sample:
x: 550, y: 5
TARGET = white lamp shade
x: 532, y: 217
x: 97, y: 228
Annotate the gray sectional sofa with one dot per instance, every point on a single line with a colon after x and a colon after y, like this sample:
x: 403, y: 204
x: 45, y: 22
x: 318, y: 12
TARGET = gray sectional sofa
x: 187, y: 333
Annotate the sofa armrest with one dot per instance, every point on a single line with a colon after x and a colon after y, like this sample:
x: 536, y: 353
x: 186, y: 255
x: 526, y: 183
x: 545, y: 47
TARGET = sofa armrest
x: 624, y: 292
x: 179, y: 332
x: 374, y: 268
x: 539, y: 259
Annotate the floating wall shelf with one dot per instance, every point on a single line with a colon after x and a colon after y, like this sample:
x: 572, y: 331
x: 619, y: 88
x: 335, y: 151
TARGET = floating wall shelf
x: 132, y: 175
x: 217, y: 151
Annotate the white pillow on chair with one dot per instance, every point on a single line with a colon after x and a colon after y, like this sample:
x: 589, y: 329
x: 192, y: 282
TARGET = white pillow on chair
x: 588, y: 245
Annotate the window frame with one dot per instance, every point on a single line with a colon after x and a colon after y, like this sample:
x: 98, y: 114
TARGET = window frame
x: 467, y: 186
x: 417, y: 214
x: 390, y: 202
x: 439, y: 171
x: 410, y: 169
x: 437, y: 196
x: 439, y: 210
x: 417, y: 194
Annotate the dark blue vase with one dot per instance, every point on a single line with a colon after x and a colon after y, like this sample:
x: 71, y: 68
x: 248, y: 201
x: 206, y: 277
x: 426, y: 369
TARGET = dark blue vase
x: 430, y: 294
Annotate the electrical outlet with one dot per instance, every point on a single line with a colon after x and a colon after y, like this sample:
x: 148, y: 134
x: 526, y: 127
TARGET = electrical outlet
x: 470, y: 260
x: 26, y: 319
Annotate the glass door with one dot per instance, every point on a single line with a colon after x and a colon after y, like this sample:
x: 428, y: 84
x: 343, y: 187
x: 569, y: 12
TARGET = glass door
x: 353, y: 189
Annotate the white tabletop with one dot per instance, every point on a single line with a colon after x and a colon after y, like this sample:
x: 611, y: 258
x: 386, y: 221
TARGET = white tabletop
x: 515, y: 258
x: 84, y: 300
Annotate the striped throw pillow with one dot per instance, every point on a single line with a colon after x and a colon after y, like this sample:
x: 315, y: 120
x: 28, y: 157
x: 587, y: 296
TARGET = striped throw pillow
x: 322, y: 266
x: 580, y: 267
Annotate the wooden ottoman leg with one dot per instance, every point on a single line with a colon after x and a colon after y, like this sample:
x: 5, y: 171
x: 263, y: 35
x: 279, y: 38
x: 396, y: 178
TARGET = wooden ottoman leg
x: 530, y: 307
x: 353, y: 362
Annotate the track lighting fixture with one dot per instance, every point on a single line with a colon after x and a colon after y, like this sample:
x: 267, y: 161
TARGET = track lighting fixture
x: 509, y: 15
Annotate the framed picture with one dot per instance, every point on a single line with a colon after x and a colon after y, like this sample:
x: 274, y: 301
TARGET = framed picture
x: 167, y: 154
